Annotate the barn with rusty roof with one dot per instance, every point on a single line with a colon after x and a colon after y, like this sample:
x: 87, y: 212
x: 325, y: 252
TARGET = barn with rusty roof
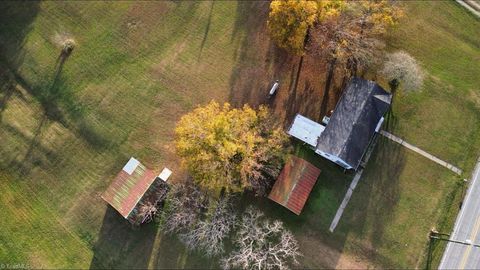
x: 294, y: 184
x: 133, y: 187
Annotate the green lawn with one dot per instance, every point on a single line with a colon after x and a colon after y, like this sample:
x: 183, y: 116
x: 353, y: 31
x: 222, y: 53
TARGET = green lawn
x: 136, y: 68
x: 66, y: 128
x: 443, y: 118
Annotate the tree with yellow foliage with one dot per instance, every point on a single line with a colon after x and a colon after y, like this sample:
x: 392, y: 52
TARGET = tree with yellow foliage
x: 376, y: 15
x: 229, y: 149
x: 290, y: 20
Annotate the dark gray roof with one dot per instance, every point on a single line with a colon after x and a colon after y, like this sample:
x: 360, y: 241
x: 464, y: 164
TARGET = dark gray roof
x: 353, y: 122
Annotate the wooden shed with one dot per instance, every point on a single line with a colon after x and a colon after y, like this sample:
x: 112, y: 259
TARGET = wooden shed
x: 134, y: 187
x: 294, y: 184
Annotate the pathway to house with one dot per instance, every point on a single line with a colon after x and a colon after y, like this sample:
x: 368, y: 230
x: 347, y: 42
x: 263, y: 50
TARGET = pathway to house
x: 358, y: 175
x: 472, y: 5
x: 346, y: 199
x: 421, y: 152
x: 351, y: 188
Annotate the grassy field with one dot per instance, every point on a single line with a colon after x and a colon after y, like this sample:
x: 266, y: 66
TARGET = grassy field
x: 66, y: 129
x: 67, y: 125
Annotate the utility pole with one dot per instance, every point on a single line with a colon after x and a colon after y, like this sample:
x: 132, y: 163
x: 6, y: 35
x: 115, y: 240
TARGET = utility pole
x: 435, y: 235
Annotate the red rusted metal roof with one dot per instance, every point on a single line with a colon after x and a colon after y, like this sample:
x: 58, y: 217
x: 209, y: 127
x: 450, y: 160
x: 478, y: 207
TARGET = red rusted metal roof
x: 127, y: 189
x: 294, y: 184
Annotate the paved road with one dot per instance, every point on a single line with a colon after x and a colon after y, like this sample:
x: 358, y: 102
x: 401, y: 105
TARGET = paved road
x: 467, y: 230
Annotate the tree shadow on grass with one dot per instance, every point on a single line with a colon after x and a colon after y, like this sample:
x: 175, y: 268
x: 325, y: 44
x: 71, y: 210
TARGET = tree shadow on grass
x: 309, y: 105
x: 376, y: 199
x: 15, y: 20
x: 259, y: 62
x: 292, y: 100
x: 59, y: 105
x: 36, y: 154
x: 367, y: 215
x: 119, y: 245
x: 172, y: 254
x: 55, y: 95
x: 207, y: 29
x: 7, y: 90
x: 320, y: 248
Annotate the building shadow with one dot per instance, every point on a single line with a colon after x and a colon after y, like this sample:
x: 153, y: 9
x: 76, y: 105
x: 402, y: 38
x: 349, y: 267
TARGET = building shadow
x: 376, y: 199
x: 119, y: 245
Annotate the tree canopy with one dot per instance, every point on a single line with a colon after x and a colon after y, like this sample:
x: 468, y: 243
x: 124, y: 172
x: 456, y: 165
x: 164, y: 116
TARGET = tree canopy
x: 262, y: 244
x: 289, y: 20
x: 401, y: 69
x: 352, y: 36
x: 231, y: 149
x: 201, y: 222
x: 351, y: 40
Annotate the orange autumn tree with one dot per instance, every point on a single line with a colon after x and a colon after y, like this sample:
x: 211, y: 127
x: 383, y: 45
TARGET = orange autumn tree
x: 229, y: 149
x: 289, y: 20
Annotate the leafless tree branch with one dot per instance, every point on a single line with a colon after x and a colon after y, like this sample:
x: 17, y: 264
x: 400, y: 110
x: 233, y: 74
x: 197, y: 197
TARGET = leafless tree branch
x: 262, y: 244
x: 208, y: 235
x: 185, y: 204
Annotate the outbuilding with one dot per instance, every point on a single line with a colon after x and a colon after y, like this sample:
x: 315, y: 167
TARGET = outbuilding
x: 294, y: 184
x: 136, y: 191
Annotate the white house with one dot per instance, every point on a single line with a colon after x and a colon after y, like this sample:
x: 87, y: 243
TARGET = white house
x: 352, y: 126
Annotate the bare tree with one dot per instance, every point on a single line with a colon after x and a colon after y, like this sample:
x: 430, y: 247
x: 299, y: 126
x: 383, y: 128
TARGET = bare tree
x: 346, y: 48
x: 185, y: 204
x: 352, y: 41
x: 151, y: 203
x: 209, y: 234
x: 262, y: 244
x: 401, y: 69
x: 149, y: 208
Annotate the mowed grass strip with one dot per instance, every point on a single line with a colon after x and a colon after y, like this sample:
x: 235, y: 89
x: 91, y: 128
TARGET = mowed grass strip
x: 67, y: 129
x: 443, y: 118
x: 32, y: 234
x: 400, y: 197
